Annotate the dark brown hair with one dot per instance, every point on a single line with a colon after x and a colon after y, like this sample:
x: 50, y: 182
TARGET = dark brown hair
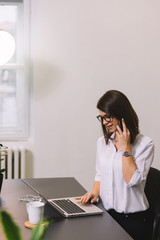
x: 116, y: 104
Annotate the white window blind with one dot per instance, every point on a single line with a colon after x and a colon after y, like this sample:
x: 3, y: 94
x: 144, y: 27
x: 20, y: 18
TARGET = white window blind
x: 14, y: 76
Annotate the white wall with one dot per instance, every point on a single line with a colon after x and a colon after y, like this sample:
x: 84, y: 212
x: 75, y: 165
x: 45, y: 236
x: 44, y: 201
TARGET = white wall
x: 80, y: 50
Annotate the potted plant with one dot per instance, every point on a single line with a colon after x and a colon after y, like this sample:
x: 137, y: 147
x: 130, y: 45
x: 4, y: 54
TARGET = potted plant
x: 12, y: 231
x: 3, y: 153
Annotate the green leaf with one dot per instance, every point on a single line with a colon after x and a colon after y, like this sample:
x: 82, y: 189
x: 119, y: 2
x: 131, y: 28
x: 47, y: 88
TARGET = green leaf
x: 2, y: 170
x: 39, y: 231
x: 10, y: 229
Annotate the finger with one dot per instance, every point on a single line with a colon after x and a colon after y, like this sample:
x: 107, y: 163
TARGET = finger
x: 94, y: 200
x: 117, y: 134
x: 77, y: 198
x: 88, y: 197
x: 80, y: 198
x: 128, y: 133
x: 85, y: 198
x: 119, y: 131
x: 124, y: 126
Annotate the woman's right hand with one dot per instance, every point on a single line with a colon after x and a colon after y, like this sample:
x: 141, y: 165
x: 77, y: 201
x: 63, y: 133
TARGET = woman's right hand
x: 89, y: 196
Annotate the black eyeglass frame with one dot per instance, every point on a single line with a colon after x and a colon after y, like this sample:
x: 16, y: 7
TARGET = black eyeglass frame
x: 101, y: 118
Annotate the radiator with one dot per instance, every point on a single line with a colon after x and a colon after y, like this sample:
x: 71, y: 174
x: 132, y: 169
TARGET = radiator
x: 14, y: 162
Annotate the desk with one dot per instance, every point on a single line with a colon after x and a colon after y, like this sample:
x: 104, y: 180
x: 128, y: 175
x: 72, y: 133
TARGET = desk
x: 100, y: 227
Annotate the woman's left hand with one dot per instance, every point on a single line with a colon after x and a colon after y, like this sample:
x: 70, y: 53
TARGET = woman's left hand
x: 122, y: 137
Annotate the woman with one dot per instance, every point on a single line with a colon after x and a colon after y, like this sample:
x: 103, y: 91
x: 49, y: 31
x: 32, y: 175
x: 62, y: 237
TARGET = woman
x: 124, y: 157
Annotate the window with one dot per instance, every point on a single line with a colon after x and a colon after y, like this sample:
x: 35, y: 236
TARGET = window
x: 14, y: 76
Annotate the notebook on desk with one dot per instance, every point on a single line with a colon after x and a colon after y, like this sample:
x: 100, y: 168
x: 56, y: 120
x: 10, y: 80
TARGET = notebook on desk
x: 69, y: 206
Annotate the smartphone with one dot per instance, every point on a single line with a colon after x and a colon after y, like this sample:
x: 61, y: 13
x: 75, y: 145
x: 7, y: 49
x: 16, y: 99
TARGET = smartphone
x: 120, y: 125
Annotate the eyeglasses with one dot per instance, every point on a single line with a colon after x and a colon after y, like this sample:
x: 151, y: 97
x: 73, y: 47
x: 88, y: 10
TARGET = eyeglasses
x: 106, y: 118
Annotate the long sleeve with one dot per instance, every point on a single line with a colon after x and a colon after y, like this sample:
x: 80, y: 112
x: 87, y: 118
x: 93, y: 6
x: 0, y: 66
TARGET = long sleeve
x: 143, y: 159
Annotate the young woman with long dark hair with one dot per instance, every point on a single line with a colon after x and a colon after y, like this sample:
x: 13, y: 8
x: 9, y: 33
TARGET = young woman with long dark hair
x: 124, y: 157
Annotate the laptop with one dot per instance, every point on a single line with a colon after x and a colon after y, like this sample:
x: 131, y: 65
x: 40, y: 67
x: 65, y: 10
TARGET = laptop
x: 69, y: 206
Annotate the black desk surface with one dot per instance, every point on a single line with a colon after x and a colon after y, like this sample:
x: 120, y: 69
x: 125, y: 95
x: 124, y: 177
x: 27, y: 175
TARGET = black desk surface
x: 100, y: 227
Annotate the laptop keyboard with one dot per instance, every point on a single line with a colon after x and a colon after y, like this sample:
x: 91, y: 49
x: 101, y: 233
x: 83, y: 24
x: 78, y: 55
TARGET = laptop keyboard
x: 68, y: 206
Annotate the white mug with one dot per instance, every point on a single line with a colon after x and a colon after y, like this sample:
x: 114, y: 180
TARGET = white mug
x: 35, y: 211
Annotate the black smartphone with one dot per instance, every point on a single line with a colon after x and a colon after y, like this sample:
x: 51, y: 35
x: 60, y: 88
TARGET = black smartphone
x: 120, y: 125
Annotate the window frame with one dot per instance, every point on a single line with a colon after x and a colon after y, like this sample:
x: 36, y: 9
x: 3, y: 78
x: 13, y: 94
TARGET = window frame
x: 15, y: 133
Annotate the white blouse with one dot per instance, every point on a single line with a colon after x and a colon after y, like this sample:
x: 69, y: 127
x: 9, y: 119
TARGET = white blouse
x: 114, y: 191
